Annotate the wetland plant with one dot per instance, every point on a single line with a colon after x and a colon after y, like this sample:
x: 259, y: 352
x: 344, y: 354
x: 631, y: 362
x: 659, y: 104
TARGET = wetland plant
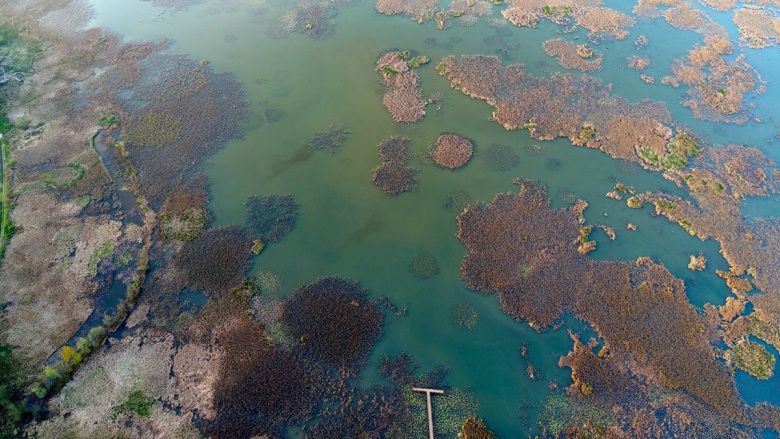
x: 334, y: 320
x: 501, y: 158
x: 270, y: 218
x: 215, y: 261
x: 329, y: 140
x: 424, y: 266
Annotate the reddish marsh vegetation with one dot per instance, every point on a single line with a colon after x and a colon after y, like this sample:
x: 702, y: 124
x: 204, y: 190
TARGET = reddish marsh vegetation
x: 403, y: 98
x: 394, y: 176
x: 521, y: 248
x: 451, y: 151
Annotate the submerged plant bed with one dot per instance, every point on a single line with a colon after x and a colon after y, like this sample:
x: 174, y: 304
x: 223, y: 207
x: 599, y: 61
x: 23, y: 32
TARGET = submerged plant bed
x: 424, y: 266
x: 394, y: 176
x: 329, y: 140
x: 270, y: 218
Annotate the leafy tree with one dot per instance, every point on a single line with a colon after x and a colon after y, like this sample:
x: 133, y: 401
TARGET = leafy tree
x: 13, y: 381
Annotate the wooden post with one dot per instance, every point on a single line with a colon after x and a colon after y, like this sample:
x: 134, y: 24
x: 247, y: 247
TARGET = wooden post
x: 430, y: 410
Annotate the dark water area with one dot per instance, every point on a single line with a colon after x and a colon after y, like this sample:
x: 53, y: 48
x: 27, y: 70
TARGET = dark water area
x: 297, y: 86
x: 109, y: 296
x: 112, y: 287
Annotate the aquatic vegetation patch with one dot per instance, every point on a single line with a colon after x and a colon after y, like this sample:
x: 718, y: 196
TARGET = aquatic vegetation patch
x: 747, y: 246
x: 267, y: 282
x: 468, y: 12
x: 274, y: 115
x: 754, y: 359
x: 215, y: 261
x: 589, y: 14
x: 261, y: 388
x: 189, y: 111
x: 395, y: 149
x: 501, y: 158
x: 312, y: 18
x: 697, y: 263
x: 419, y: 61
x: 758, y: 28
x: 183, y: 215
x: 464, y: 315
x: 393, y: 176
x: 602, y: 21
x: 516, y: 258
x: 746, y: 171
x: 527, y: 13
x: 399, y: 369
x: 571, y: 56
x: 375, y: 412
x: 334, y: 320
x: 329, y: 140
x: 717, y: 83
x: 683, y: 16
x: 451, y: 409
x: 418, y: 10
x: 560, y: 412
x: 270, y: 218
x: 154, y: 128
x: 475, y: 428
x: 553, y: 164
x: 605, y: 395
x: 636, y: 62
x: 403, y: 98
x: 424, y: 266
x: 562, y: 105
x: 451, y: 151
x: 521, y: 248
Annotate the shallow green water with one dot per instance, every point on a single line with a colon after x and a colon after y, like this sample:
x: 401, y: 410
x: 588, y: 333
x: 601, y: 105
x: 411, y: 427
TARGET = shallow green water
x: 349, y: 228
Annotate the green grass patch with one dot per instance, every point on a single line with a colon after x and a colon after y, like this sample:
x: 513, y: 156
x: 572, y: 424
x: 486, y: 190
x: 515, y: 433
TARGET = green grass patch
x: 674, y: 162
x: 634, y: 203
x: 552, y: 11
x: 19, y: 55
x: 5, y: 124
x: 6, y: 225
x: 754, y: 359
x: 419, y: 61
x: 107, y: 121
x: 137, y: 402
x: 665, y: 205
x: 649, y: 156
x: 57, y: 180
x: 102, y: 251
x: 387, y: 70
x: 683, y: 145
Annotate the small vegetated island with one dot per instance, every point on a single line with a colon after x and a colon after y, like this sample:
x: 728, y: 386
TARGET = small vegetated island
x: 178, y: 258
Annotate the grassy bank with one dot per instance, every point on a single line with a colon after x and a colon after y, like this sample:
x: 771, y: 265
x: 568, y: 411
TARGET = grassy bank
x: 6, y: 226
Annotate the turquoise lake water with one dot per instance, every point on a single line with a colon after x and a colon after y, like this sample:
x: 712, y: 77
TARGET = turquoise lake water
x: 349, y: 228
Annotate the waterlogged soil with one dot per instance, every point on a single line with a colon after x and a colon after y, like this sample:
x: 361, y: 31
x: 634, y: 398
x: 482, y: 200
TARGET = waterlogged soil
x: 348, y: 227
